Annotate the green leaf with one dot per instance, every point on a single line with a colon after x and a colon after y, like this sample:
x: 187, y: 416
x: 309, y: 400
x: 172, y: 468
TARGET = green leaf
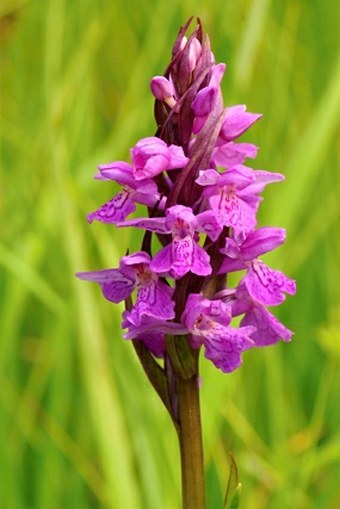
x: 232, y: 497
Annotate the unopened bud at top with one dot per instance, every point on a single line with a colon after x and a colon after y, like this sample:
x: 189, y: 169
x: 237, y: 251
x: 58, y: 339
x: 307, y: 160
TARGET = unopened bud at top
x: 163, y: 90
x: 195, y: 52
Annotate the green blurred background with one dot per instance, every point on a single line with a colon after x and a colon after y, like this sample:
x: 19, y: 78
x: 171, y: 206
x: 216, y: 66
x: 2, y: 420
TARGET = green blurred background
x: 80, y: 428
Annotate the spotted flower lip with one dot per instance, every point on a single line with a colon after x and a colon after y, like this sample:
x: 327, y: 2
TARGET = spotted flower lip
x: 223, y: 193
x: 267, y: 286
x: 124, y: 203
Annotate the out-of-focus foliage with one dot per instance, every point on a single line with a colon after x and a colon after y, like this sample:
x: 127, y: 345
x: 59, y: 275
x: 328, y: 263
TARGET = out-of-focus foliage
x: 80, y: 428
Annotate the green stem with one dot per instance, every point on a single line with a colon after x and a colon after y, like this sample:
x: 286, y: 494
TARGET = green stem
x: 191, y: 447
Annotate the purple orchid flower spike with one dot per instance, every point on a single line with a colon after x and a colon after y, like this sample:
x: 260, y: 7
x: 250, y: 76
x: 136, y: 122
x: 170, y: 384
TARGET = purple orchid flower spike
x: 200, y: 225
x: 204, y: 217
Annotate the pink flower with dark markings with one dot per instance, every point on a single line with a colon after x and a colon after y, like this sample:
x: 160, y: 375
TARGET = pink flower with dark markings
x: 183, y: 254
x: 268, y: 329
x: 154, y: 297
x: 233, y: 195
x: 265, y: 285
x: 124, y: 203
x: 223, y: 189
x: 200, y: 222
x: 208, y: 323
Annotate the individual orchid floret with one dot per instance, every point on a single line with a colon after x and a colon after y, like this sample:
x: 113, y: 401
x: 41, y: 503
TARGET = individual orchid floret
x: 151, y: 156
x: 223, y: 192
x: 163, y: 90
x: 206, y: 98
x: 262, y: 179
x: 265, y: 285
x: 269, y: 330
x: 236, y: 121
x: 257, y: 243
x: 152, y: 339
x: 229, y: 154
x: 208, y: 323
x: 154, y: 297
x: 124, y: 203
x: 183, y: 254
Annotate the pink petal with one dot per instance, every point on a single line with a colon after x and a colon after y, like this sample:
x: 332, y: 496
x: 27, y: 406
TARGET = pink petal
x: 152, y: 167
x: 116, y: 287
x: 233, y: 211
x: 236, y: 121
x: 200, y: 261
x: 267, y: 286
x: 156, y: 224
x: 230, y: 153
x: 268, y: 328
x: 224, y: 345
x: 115, y: 210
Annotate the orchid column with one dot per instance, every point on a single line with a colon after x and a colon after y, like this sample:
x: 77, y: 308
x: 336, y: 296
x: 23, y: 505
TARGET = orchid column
x: 201, y: 203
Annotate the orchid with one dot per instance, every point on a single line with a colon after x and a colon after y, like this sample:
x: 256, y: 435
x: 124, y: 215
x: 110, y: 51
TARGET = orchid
x: 200, y: 224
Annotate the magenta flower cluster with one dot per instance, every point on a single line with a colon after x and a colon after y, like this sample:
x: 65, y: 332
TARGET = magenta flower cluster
x: 201, y: 202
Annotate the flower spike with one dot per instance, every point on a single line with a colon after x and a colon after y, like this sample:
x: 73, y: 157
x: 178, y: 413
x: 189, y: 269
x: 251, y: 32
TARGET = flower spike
x: 201, y: 205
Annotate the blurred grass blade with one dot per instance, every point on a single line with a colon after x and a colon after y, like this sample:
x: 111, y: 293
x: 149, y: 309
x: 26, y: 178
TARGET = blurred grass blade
x: 232, y: 497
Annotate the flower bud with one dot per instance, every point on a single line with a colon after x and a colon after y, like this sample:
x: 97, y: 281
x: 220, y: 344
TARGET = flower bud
x: 163, y: 90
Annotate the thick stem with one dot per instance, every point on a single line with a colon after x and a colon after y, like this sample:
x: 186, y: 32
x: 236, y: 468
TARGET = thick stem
x: 191, y: 447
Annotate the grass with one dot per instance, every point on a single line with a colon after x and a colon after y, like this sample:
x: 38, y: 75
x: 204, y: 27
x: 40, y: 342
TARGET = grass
x: 79, y: 425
